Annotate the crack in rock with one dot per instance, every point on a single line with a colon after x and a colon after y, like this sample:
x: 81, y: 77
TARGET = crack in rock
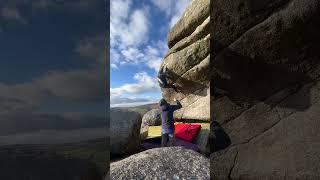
x: 233, y: 165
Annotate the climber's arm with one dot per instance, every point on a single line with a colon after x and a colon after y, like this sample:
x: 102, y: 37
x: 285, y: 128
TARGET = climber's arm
x: 178, y: 105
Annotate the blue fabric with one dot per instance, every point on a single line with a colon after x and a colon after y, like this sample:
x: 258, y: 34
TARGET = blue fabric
x: 167, y: 122
x: 167, y: 130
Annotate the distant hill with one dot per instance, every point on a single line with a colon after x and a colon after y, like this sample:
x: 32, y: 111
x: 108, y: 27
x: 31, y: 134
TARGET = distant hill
x: 142, y: 109
x: 26, y: 122
x: 86, y: 160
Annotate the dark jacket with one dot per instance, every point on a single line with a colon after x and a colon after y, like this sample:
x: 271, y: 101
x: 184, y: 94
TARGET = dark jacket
x: 166, y: 112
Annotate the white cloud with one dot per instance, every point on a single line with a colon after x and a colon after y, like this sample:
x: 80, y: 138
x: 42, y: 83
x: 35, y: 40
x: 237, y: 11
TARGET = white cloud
x: 133, y: 104
x: 75, y: 85
x: 128, y: 94
x: 132, y: 54
x: 79, y: 4
x: 174, y: 20
x: 114, y: 56
x: 85, y: 85
x: 20, y: 96
x: 119, y: 10
x: 131, y: 45
x: 12, y: 10
x: 121, y: 100
x: 93, y: 48
x: 138, y: 28
x: 128, y: 27
x: 172, y: 8
x: 12, y: 13
x: 155, y: 64
x: 151, y: 56
x: 42, y: 3
x: 164, y: 5
x: 145, y: 84
x: 114, y: 66
x: 129, y: 31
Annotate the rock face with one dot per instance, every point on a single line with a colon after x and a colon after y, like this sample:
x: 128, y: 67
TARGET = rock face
x: 162, y: 163
x: 189, y: 62
x: 151, y: 118
x: 124, y: 131
x: 265, y: 58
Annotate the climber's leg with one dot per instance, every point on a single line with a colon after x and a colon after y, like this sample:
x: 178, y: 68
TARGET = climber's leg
x: 164, y: 140
x: 171, y: 139
x: 163, y: 82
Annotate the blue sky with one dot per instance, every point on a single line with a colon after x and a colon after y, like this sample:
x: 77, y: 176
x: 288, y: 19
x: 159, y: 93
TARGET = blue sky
x: 138, y: 32
x: 53, y: 56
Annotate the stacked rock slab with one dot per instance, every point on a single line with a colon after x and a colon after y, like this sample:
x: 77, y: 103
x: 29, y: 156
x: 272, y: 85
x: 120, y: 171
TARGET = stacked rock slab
x: 188, y: 62
x: 124, y: 131
x: 150, y: 118
x: 265, y: 56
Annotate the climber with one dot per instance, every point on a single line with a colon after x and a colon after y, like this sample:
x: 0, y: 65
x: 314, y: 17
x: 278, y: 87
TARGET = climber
x: 163, y: 78
x: 166, y: 111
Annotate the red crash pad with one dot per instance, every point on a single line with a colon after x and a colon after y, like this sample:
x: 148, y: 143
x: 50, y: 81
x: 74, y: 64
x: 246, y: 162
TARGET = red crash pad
x: 187, y: 132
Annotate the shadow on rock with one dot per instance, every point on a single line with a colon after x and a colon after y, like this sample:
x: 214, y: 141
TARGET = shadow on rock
x: 219, y: 139
x: 247, y: 80
x: 186, y: 86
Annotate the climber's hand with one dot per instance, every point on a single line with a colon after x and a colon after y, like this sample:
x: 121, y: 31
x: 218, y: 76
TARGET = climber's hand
x: 174, y: 99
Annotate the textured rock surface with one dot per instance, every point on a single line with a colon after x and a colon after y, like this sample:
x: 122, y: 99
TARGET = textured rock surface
x: 265, y: 56
x: 189, y: 62
x: 193, y: 16
x: 162, y: 163
x: 151, y: 118
x: 124, y: 131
